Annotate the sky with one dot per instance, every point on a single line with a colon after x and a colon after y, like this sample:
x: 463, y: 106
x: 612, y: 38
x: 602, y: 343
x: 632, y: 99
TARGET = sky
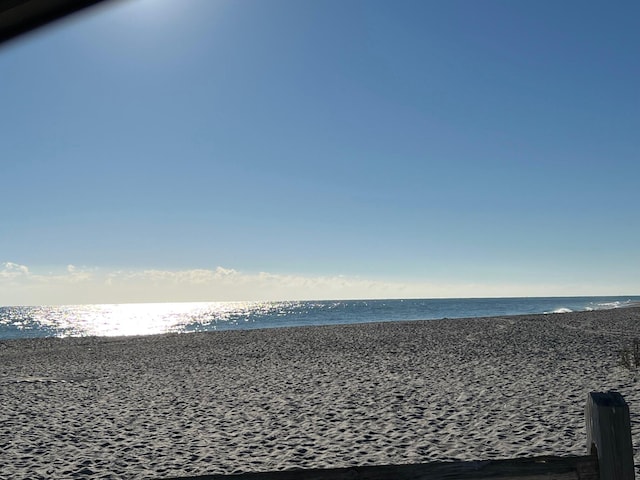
x: 212, y: 150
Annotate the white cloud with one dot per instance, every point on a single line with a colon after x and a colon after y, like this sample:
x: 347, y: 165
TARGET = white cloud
x: 13, y: 270
x: 222, y: 272
x: 20, y: 285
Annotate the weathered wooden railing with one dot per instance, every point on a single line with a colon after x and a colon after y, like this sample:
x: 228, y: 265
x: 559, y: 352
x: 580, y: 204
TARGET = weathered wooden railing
x: 609, y: 457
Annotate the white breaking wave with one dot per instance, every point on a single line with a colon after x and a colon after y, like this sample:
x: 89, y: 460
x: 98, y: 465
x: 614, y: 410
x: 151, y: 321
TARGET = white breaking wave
x: 595, y: 306
x: 609, y: 305
x: 560, y: 310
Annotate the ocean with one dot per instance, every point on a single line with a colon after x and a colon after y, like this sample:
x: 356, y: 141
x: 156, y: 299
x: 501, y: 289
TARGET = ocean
x: 156, y: 318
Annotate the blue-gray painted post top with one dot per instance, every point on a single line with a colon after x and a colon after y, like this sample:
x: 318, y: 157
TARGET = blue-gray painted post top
x: 609, y: 435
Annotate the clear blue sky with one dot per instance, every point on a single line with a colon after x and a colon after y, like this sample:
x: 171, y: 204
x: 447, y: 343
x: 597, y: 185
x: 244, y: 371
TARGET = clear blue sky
x: 215, y: 150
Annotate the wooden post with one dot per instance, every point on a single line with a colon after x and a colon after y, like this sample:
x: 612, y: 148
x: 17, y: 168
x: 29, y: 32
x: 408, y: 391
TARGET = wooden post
x: 609, y: 435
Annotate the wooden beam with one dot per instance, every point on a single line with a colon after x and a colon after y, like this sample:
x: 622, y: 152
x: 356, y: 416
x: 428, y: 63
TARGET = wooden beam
x: 21, y: 16
x: 609, y: 435
x: 536, y: 468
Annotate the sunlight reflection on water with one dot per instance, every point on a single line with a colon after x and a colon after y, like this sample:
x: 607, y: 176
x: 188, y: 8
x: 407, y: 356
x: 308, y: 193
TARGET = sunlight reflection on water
x: 140, y: 318
x: 156, y: 318
x: 134, y: 319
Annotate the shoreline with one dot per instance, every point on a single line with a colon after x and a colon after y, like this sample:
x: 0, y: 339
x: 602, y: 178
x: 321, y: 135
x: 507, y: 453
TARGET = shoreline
x: 309, y: 397
x: 151, y: 319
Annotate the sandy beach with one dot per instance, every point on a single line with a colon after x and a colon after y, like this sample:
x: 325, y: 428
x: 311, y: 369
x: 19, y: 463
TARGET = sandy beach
x: 332, y: 396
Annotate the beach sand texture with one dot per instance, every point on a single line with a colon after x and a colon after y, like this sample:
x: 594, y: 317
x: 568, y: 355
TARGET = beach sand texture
x: 334, y: 396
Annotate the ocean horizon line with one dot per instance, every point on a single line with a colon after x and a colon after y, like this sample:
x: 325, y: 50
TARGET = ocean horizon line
x: 362, y: 299
x: 186, y: 317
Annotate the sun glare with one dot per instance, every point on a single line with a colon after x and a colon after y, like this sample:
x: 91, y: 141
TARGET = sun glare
x: 159, y: 13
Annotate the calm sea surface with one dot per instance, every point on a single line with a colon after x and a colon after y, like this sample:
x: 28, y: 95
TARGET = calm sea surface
x: 153, y: 318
